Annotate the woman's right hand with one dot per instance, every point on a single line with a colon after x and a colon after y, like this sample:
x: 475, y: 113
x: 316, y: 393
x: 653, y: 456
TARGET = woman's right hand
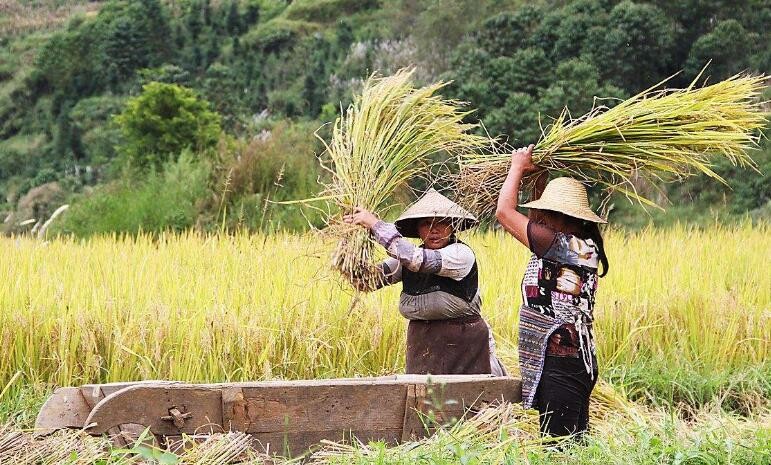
x: 522, y: 160
x: 361, y: 217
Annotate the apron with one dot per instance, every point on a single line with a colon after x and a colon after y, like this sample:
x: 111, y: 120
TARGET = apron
x: 459, y: 346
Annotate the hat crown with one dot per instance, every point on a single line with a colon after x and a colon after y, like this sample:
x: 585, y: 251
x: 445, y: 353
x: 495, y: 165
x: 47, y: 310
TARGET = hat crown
x: 566, y: 190
x: 434, y: 205
x: 568, y: 196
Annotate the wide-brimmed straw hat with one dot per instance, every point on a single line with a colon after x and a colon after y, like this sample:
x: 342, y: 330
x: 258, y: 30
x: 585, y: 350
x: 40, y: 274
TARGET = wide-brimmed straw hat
x: 434, y: 205
x: 568, y: 196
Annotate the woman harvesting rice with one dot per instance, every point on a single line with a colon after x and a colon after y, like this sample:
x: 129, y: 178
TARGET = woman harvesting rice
x: 556, y: 343
x: 440, y: 296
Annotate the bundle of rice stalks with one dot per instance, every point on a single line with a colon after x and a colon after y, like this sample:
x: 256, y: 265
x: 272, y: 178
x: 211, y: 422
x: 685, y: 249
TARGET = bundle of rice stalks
x: 382, y: 140
x: 660, y: 135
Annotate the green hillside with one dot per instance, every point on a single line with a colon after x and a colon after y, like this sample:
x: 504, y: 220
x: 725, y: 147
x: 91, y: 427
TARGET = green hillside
x: 243, y: 85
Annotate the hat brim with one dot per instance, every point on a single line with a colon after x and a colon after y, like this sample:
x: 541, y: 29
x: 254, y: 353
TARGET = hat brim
x: 581, y: 214
x: 408, y: 227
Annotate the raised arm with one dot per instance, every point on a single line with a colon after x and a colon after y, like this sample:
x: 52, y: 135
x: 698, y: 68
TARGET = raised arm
x: 514, y: 222
x: 451, y: 262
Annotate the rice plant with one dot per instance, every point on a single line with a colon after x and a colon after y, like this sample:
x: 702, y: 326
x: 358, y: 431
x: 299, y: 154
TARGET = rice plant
x: 659, y: 135
x: 380, y: 142
x: 687, y: 329
x: 193, y: 307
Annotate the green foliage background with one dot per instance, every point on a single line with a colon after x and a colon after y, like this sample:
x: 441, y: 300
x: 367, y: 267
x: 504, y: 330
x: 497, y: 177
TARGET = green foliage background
x: 253, y: 79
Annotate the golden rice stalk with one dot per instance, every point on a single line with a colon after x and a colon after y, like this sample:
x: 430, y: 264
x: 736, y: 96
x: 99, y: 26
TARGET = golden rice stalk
x: 382, y: 140
x: 658, y: 135
x: 492, y: 432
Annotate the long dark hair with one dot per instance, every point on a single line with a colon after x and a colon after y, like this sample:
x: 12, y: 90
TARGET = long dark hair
x: 593, y: 233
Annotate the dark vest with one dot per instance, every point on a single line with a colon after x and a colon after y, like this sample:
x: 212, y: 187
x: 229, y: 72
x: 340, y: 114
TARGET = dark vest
x: 422, y: 283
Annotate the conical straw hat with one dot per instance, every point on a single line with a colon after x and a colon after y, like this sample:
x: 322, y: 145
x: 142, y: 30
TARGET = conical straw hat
x: 434, y: 205
x: 568, y: 196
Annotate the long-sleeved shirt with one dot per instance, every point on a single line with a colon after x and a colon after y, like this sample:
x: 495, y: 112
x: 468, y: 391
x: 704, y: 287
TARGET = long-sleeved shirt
x: 455, y: 261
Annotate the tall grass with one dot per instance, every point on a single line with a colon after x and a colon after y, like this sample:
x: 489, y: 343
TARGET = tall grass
x: 160, y: 201
x: 680, y: 305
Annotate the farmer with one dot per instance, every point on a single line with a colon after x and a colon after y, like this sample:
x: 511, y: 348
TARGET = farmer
x: 556, y: 344
x: 440, y: 292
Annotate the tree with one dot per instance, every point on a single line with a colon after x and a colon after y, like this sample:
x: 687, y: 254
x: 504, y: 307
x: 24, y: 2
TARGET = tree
x: 343, y: 35
x: 568, y: 32
x: 517, y: 118
x: 505, y: 33
x: 636, y: 49
x: 194, y: 23
x: 164, y: 120
x: 252, y: 15
x: 727, y: 46
x: 233, y: 21
x: 575, y: 85
x: 207, y: 12
x: 126, y: 50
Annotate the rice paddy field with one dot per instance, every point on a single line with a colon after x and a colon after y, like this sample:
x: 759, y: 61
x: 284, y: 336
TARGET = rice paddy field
x: 682, y: 325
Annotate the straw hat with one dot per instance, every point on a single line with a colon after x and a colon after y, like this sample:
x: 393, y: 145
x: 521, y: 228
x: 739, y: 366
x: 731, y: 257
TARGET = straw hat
x: 434, y: 205
x: 568, y: 196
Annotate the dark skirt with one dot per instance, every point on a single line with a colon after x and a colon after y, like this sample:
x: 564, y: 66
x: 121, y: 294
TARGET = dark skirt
x: 448, y: 347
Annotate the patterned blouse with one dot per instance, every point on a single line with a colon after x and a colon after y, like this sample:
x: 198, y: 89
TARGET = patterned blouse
x: 558, y: 291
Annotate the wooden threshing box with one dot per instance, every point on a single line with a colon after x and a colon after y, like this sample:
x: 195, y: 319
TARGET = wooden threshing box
x: 284, y: 417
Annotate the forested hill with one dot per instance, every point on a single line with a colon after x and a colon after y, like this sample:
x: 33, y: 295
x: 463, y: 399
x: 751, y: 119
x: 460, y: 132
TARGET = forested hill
x: 151, y: 115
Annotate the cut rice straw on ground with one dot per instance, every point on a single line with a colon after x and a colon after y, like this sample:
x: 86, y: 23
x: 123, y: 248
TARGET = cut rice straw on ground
x: 382, y: 140
x: 660, y: 135
x: 494, y: 431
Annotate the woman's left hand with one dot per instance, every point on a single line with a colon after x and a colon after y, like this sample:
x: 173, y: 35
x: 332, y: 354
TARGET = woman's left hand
x: 361, y: 217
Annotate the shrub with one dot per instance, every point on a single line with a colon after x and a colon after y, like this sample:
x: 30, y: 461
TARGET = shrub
x: 326, y: 11
x: 276, y: 165
x: 278, y: 34
x: 163, y: 121
x: 166, y: 200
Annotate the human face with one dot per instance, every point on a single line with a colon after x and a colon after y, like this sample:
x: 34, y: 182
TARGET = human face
x: 558, y: 221
x: 434, y: 233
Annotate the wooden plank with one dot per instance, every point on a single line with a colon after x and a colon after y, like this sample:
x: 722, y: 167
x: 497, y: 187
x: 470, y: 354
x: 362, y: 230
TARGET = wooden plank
x: 336, y: 407
x: 414, y: 408
x: 147, y: 404
x: 65, y: 408
x: 298, y: 413
x: 297, y: 444
x: 235, y: 416
x: 434, y: 404
x: 122, y: 435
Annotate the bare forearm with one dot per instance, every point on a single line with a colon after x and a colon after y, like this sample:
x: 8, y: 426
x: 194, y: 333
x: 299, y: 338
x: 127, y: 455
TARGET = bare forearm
x: 509, y: 195
x: 514, y: 222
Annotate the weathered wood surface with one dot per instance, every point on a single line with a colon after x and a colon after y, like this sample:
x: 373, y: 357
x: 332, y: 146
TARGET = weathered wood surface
x: 69, y: 407
x: 282, y: 416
